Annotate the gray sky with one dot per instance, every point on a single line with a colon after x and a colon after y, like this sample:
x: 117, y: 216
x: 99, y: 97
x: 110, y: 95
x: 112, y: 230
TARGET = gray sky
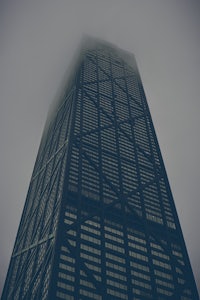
x: 37, y: 42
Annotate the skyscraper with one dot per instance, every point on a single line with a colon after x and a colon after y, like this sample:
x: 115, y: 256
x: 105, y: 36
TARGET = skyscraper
x: 99, y: 220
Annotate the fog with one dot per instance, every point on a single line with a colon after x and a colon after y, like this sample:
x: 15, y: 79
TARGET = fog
x: 38, y: 40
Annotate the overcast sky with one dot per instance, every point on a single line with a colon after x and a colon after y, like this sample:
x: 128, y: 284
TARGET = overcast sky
x: 37, y: 42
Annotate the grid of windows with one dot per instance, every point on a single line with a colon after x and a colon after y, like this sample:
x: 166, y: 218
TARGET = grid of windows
x: 113, y: 117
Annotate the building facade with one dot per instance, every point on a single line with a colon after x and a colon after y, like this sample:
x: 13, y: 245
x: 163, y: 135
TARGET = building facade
x: 99, y: 220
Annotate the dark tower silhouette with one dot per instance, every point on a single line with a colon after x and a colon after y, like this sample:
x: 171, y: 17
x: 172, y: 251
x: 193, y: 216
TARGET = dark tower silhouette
x: 99, y: 220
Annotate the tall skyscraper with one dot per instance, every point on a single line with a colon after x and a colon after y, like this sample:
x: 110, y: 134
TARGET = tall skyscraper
x: 99, y: 220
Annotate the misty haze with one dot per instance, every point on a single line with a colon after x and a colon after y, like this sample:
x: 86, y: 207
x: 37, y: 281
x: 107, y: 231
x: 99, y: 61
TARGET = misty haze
x: 38, y: 44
